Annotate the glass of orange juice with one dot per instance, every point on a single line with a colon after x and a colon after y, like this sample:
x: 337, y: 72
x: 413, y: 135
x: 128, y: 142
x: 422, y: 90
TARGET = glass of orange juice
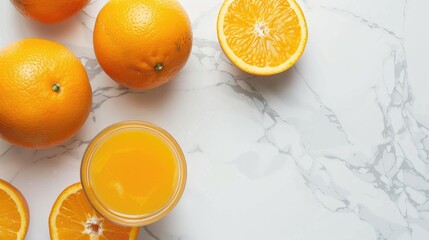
x: 133, y: 173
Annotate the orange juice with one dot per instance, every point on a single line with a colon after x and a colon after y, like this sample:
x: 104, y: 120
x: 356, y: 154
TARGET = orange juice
x: 133, y: 173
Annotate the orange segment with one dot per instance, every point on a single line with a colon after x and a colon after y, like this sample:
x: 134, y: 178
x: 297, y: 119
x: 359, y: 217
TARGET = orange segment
x: 262, y: 37
x: 14, y: 215
x: 72, y: 217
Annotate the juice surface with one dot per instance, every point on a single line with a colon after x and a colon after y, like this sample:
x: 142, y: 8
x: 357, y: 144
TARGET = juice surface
x: 134, y: 172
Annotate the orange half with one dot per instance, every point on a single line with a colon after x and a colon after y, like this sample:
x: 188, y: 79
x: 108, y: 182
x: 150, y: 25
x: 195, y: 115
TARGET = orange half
x: 262, y: 37
x: 73, y: 217
x: 14, y: 215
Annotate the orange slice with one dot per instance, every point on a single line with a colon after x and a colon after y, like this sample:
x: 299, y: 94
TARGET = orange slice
x: 262, y: 37
x: 72, y: 217
x: 14, y: 215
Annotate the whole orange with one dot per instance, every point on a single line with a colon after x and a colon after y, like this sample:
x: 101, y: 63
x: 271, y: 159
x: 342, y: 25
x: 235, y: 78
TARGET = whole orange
x: 49, y: 11
x: 142, y: 44
x: 45, y: 94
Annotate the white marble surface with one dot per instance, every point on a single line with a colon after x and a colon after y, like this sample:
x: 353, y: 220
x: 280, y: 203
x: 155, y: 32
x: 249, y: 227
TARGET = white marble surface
x: 335, y: 148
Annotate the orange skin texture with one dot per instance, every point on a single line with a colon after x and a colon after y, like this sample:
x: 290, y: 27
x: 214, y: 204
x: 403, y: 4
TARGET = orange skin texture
x: 33, y: 115
x: 49, y: 11
x: 132, y: 36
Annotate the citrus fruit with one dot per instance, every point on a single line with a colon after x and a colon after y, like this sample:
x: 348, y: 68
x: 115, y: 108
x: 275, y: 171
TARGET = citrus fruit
x: 49, y: 11
x: 45, y: 95
x: 262, y: 37
x: 72, y: 217
x: 142, y: 44
x: 14, y: 216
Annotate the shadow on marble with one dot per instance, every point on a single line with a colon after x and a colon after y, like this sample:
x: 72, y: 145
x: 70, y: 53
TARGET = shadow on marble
x: 30, y: 28
x: 275, y: 83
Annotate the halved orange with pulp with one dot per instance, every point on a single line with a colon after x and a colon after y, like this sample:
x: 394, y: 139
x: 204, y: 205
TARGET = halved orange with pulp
x: 262, y: 37
x: 14, y: 215
x: 73, y: 218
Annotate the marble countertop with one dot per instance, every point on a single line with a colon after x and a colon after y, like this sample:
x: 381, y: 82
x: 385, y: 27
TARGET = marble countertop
x: 335, y: 148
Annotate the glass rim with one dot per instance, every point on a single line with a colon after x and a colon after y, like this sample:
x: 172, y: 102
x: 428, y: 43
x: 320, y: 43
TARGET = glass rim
x: 127, y: 219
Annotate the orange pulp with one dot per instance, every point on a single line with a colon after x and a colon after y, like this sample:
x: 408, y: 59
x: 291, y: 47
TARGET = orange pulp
x: 135, y: 171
